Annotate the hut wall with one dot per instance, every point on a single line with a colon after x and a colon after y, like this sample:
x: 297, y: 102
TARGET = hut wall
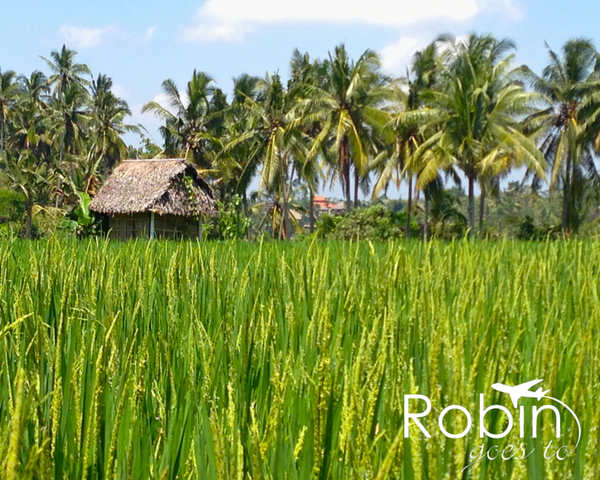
x: 175, y: 227
x: 125, y: 227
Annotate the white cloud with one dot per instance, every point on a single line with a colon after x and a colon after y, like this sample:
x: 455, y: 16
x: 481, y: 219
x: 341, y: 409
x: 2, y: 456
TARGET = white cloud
x: 218, y: 32
x: 150, y: 33
x: 231, y: 20
x: 163, y: 100
x: 507, y: 8
x: 81, y: 37
x: 395, y: 58
x: 119, y: 91
x: 379, y: 12
x: 147, y: 120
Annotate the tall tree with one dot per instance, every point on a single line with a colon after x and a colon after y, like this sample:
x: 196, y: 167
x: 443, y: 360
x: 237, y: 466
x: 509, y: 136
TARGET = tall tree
x: 478, y: 111
x: 395, y: 162
x: 29, y: 115
x: 65, y: 71
x: 348, y: 101
x: 107, y: 124
x: 189, y: 118
x: 68, y: 81
x: 9, y: 90
x: 67, y: 121
x: 305, y: 72
x: 568, y: 128
x: 276, y: 139
x: 236, y: 164
x: 25, y: 175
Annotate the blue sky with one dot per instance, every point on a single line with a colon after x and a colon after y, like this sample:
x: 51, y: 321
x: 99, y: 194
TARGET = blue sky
x: 139, y: 44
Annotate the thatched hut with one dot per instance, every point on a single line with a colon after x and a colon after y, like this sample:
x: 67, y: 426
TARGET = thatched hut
x: 155, y: 199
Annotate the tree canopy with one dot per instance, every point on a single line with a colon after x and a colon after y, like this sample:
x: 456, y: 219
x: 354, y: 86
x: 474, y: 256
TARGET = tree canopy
x: 463, y: 113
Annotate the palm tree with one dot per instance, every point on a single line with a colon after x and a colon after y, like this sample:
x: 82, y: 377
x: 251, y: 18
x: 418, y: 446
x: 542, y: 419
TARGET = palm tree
x: 395, y: 161
x: 68, y: 80
x: 9, y: 90
x: 444, y: 207
x: 568, y: 128
x: 188, y: 127
x: 305, y: 72
x: 65, y: 71
x: 25, y: 175
x: 237, y: 166
x: 276, y: 139
x: 478, y: 112
x: 67, y: 121
x: 348, y: 101
x: 107, y: 124
x: 272, y: 208
x: 35, y: 87
x: 29, y: 115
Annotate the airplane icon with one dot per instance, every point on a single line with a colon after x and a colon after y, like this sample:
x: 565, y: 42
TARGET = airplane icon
x: 522, y: 390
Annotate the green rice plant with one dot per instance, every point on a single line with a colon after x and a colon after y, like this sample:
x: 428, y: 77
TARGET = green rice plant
x: 164, y: 360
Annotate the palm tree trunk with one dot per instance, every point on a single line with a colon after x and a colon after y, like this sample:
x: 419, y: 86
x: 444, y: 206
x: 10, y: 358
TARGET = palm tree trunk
x: 2, y: 133
x: 471, y: 207
x: 287, y: 222
x: 245, y: 203
x: 566, y: 200
x: 344, y: 159
x: 286, y: 215
x: 426, y: 224
x: 105, y: 170
x: 28, y: 213
x: 59, y: 181
x: 408, y: 208
x: 245, y: 207
x: 481, y: 210
x: 312, y: 211
x: 356, y: 179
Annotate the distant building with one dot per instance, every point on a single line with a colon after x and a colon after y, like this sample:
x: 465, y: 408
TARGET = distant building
x: 339, y: 207
x: 155, y: 199
x: 322, y: 205
x: 296, y: 215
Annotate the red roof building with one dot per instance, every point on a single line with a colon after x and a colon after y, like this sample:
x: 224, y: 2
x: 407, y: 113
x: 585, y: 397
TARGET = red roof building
x: 325, y: 205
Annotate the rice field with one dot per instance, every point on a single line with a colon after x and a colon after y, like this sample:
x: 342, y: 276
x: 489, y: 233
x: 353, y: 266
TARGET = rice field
x: 291, y: 361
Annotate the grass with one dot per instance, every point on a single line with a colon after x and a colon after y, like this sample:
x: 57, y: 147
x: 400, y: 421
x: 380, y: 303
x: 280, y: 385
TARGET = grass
x: 288, y: 361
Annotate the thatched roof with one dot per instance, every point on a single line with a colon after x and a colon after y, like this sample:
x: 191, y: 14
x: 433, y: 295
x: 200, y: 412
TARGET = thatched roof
x: 137, y: 186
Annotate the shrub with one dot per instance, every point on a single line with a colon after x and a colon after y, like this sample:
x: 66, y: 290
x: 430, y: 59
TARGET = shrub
x: 12, y: 206
x: 372, y: 223
x: 232, y: 223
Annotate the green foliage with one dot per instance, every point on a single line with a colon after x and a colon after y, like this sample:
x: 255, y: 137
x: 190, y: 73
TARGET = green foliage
x: 50, y: 221
x: 518, y: 210
x: 12, y: 205
x: 528, y: 230
x: 461, y: 108
x: 446, y: 221
x: 327, y: 225
x: 147, y: 149
x: 372, y: 223
x: 286, y: 360
x: 80, y: 221
x: 567, y: 131
x: 59, y: 134
x: 232, y: 223
x: 84, y: 217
